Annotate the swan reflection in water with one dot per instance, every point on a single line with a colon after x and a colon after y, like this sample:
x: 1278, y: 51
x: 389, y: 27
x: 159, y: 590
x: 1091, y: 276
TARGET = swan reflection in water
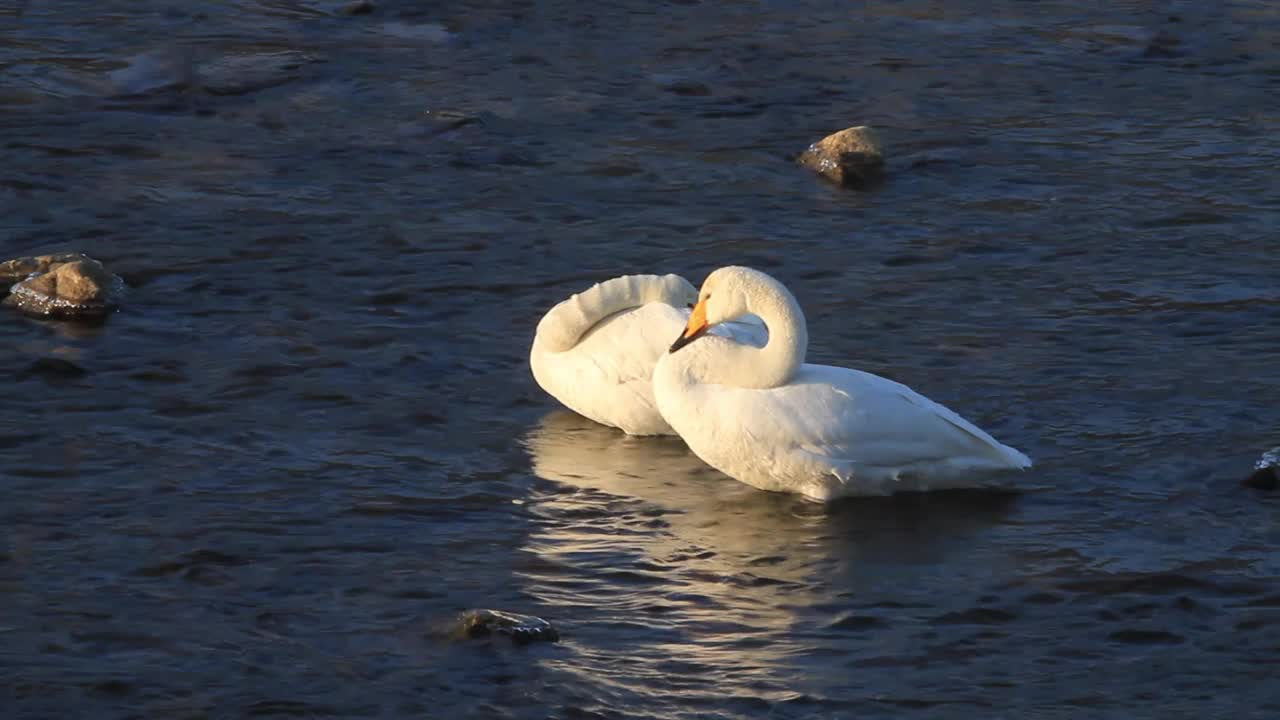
x: 636, y: 536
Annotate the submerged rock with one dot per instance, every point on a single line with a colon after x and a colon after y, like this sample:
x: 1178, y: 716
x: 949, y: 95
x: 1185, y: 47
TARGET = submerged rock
x: 66, y: 285
x: 432, y: 123
x: 53, y: 368
x: 850, y: 157
x: 522, y: 629
x: 1163, y: 45
x: 180, y: 70
x: 359, y: 7
x: 1266, y: 472
x: 243, y: 74
x: 153, y: 72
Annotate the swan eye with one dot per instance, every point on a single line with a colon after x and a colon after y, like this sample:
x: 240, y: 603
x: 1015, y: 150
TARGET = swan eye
x: 690, y: 306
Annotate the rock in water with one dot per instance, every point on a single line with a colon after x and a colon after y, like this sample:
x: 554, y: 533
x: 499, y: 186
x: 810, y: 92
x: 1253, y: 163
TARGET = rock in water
x: 1163, y: 45
x: 522, y: 629
x: 52, y: 368
x: 153, y: 72
x: 1266, y: 472
x: 67, y: 285
x: 851, y: 157
x: 244, y: 74
x: 358, y: 7
x: 20, y: 269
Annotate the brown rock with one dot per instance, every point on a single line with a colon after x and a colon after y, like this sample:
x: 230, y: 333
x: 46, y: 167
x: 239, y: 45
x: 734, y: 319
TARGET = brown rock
x: 20, y: 269
x: 851, y: 157
x: 66, y: 285
x: 522, y: 629
x: 79, y: 282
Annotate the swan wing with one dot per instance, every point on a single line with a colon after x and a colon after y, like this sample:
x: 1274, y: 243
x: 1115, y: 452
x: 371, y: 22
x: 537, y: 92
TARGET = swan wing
x: 625, y: 347
x: 746, y: 330
x: 607, y: 376
x: 595, y: 351
x: 845, y: 423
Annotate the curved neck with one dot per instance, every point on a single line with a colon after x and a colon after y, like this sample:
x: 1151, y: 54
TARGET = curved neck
x: 565, y: 324
x: 776, y: 362
x: 723, y: 362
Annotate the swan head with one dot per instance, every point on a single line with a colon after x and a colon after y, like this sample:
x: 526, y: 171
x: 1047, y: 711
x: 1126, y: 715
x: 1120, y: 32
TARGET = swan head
x: 725, y: 295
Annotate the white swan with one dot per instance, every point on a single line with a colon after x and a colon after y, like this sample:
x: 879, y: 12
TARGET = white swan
x: 595, y: 352
x: 763, y: 416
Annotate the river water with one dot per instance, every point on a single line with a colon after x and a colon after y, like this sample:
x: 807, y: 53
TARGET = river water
x: 310, y: 436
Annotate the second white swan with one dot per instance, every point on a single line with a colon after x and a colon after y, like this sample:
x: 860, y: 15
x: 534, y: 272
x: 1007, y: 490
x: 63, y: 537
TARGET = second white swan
x: 765, y: 417
x: 595, y: 351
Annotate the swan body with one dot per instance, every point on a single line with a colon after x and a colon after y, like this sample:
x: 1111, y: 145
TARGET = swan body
x: 595, y: 352
x: 765, y: 417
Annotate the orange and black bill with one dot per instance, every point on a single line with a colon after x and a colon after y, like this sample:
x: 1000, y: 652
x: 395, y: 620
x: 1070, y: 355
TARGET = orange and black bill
x: 696, y: 328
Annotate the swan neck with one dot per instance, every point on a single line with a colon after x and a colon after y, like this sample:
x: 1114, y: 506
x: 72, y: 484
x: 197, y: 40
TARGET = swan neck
x: 776, y: 363
x: 566, y: 323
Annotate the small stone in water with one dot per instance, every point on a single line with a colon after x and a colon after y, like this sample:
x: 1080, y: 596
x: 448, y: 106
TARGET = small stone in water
x: 20, y: 269
x: 359, y: 7
x: 1264, y: 479
x: 244, y: 74
x: 153, y: 72
x: 53, y: 369
x: 1163, y: 45
x: 688, y: 88
x: 68, y: 285
x: 1266, y: 472
x: 850, y: 157
x: 522, y: 629
x: 80, y: 282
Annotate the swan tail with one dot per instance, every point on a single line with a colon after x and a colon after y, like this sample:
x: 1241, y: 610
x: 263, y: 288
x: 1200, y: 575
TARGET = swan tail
x: 1017, y: 459
x: 999, y: 455
x: 565, y: 324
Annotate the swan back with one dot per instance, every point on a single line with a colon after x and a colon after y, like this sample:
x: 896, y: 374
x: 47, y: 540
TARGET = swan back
x: 565, y: 324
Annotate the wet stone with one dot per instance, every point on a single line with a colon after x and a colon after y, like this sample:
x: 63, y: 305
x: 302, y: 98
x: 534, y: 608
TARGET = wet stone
x: 1163, y: 45
x: 52, y: 368
x: 243, y: 74
x: 1264, y: 479
x: 852, y: 157
x: 687, y: 87
x: 522, y: 629
x: 153, y: 72
x: 359, y: 7
x: 177, y: 70
x: 67, y: 285
x: 436, y: 122
x: 18, y: 269
x: 1266, y: 472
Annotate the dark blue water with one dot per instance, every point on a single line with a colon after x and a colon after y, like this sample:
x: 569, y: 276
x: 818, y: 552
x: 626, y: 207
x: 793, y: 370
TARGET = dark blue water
x: 310, y: 437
